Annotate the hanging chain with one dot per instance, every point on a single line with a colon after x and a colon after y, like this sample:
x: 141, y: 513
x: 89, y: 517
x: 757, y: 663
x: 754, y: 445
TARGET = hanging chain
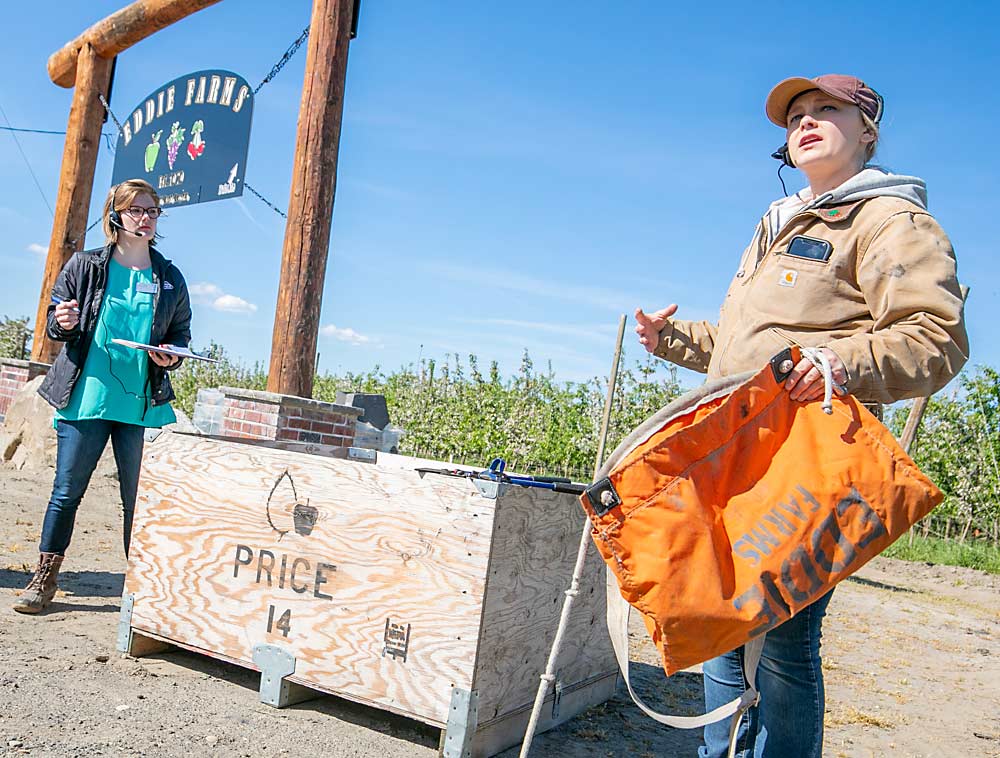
x: 264, y: 200
x: 293, y: 48
x: 84, y: 235
x: 111, y: 113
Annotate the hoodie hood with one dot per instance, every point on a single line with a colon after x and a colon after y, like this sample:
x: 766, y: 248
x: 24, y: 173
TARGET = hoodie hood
x: 867, y: 183
x: 876, y: 182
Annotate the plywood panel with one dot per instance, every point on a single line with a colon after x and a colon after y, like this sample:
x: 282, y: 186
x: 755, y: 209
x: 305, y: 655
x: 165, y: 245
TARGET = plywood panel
x: 509, y: 729
x: 228, y: 538
x: 535, y: 541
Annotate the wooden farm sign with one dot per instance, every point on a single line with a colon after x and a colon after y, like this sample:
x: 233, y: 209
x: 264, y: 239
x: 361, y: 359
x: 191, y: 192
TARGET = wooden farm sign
x: 85, y: 64
x: 189, y: 138
x: 385, y: 588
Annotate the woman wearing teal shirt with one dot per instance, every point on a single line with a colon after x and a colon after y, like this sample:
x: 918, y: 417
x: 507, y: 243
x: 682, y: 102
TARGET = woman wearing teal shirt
x: 100, y: 389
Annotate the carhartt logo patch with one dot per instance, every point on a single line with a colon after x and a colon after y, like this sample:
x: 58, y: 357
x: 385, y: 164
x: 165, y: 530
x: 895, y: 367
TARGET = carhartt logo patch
x: 788, y: 277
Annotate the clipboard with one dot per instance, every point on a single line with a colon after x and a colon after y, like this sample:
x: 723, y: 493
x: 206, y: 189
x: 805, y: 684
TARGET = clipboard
x: 180, y: 352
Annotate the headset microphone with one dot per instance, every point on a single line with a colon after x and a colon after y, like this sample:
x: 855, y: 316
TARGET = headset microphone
x: 781, y: 154
x: 115, y: 218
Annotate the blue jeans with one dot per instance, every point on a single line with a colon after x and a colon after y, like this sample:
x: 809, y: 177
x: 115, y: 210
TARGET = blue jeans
x: 80, y: 444
x: 788, y: 723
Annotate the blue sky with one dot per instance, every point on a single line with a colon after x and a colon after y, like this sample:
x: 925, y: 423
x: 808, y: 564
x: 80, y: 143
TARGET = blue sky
x: 515, y: 175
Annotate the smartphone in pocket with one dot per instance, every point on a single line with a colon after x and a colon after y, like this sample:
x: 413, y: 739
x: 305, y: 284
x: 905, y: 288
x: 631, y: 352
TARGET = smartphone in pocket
x: 810, y: 248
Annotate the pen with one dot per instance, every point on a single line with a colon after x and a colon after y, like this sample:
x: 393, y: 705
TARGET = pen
x: 58, y: 300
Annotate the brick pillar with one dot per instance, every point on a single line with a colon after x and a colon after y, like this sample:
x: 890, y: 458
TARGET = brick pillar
x: 14, y: 374
x: 253, y: 414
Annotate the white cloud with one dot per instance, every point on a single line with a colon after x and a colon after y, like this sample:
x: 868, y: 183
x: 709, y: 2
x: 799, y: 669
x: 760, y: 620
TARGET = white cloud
x: 212, y: 295
x: 233, y: 304
x: 37, y: 249
x: 344, y: 334
x: 204, y: 292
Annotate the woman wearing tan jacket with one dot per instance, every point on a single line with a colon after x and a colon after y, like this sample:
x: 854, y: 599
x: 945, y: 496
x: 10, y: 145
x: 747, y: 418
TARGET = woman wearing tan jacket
x: 854, y: 265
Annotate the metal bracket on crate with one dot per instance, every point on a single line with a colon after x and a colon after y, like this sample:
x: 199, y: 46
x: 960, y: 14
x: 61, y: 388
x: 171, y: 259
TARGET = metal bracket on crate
x: 557, y: 693
x: 489, y: 489
x: 463, y: 717
x: 135, y: 644
x: 125, y: 622
x: 362, y: 454
x: 276, y: 663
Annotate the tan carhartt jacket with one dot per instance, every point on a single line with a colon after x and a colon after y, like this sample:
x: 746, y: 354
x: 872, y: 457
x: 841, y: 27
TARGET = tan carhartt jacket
x: 887, y: 301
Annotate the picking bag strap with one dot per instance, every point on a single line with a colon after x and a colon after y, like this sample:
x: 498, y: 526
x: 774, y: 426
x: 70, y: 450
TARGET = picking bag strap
x: 619, y: 612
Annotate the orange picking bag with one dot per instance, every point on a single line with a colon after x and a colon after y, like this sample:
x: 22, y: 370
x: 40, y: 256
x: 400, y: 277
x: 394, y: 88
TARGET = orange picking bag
x: 734, y: 507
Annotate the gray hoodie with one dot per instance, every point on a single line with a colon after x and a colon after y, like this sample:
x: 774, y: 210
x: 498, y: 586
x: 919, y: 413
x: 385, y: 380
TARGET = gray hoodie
x: 869, y: 182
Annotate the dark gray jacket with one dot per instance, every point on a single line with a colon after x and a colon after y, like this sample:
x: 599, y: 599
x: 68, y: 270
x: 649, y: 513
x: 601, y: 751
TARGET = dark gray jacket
x: 84, y: 278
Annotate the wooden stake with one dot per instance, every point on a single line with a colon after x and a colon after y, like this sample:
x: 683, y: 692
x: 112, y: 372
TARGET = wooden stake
x: 920, y: 404
x: 913, y: 423
x: 76, y: 180
x: 581, y: 557
x: 310, y: 208
x: 609, y: 399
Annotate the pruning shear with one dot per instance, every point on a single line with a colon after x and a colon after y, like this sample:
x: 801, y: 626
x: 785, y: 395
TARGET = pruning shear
x: 495, y: 472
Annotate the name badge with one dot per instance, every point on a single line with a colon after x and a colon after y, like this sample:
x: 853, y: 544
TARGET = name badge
x: 146, y: 288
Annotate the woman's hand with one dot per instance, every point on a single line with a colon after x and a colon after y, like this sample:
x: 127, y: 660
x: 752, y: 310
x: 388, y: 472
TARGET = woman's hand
x: 67, y: 314
x: 649, y: 326
x: 163, y: 360
x: 805, y: 383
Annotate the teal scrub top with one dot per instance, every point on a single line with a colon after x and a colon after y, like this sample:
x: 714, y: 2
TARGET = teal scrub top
x: 112, y: 385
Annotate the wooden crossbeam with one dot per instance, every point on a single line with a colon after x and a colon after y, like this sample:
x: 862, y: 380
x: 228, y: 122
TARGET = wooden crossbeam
x: 119, y: 31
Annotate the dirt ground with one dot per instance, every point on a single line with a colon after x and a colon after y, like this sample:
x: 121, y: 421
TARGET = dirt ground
x: 912, y: 660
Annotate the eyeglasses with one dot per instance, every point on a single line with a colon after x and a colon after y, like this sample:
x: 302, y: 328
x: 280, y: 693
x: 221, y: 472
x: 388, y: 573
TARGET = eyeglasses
x: 136, y: 212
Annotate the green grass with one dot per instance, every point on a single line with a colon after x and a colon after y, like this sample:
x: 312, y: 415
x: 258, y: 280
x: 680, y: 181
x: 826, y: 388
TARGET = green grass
x: 977, y: 555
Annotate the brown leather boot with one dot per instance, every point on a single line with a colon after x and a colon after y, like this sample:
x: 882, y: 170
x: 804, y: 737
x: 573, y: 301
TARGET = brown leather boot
x: 42, y: 587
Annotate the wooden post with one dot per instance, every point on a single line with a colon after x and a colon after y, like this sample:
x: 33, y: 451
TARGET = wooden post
x: 76, y: 180
x: 310, y: 208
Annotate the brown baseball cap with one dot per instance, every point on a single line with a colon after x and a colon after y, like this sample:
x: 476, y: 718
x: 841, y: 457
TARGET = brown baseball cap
x: 850, y: 89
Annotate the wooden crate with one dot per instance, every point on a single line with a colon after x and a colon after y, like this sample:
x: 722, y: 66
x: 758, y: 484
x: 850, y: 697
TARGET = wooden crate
x: 422, y: 596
